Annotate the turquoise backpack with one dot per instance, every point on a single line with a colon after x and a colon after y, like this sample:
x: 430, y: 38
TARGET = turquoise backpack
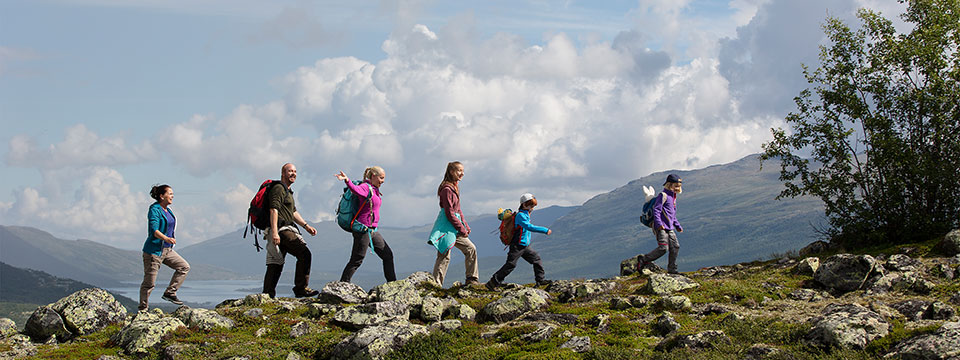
x: 349, y: 207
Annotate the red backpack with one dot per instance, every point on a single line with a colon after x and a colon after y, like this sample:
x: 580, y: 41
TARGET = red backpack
x: 258, y: 218
x: 507, y: 225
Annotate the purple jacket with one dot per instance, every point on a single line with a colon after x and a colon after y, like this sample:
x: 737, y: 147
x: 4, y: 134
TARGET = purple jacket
x: 362, y: 191
x: 665, y: 212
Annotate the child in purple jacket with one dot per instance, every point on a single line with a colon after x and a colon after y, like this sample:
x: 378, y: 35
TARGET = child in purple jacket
x: 664, y: 224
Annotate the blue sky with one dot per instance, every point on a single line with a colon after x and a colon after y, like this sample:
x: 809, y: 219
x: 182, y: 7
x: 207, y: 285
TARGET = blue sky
x: 100, y: 99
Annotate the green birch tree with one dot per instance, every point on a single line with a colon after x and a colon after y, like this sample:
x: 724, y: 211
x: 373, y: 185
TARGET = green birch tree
x: 881, y: 124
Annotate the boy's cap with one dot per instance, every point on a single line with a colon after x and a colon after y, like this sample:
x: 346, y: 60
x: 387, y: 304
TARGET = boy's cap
x: 526, y: 197
x: 673, y: 178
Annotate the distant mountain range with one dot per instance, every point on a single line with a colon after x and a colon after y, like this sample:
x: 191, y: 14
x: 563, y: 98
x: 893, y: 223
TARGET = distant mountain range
x: 729, y: 213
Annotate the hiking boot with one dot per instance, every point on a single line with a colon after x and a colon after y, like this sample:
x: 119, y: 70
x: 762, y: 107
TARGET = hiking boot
x: 544, y: 282
x: 491, y: 286
x: 472, y: 282
x: 172, y: 298
x: 305, y: 292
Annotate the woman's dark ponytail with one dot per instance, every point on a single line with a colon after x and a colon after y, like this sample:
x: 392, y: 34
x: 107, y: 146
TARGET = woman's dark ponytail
x: 158, y: 190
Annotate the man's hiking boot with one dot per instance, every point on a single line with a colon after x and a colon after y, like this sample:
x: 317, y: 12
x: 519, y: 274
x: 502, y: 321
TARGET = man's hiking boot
x: 491, y: 286
x: 472, y: 282
x: 544, y: 282
x: 172, y: 298
x: 305, y: 292
x: 640, y: 265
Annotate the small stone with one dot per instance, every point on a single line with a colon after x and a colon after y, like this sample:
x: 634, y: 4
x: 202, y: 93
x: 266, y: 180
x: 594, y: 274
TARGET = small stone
x: 578, y: 344
x: 253, y: 313
x: 300, y: 329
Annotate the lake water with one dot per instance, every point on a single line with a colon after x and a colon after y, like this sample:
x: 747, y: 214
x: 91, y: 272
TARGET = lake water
x: 204, y: 293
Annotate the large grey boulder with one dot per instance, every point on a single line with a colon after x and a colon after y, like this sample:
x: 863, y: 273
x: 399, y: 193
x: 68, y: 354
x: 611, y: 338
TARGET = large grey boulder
x: 433, y: 308
x: 89, y: 310
x: 341, y: 292
x: 665, y: 284
x: 848, y: 326
x: 951, y: 243
x: 400, y: 291
x: 17, y: 346
x: 844, y: 273
x: 45, y: 323
x: 365, y: 315
x: 445, y: 325
x: 421, y: 279
x: 911, y: 309
x: 376, y: 341
x: 676, y: 302
x: 8, y: 328
x: 515, y: 303
x: 463, y: 312
x: 203, y: 319
x: 144, y: 332
x: 942, y: 344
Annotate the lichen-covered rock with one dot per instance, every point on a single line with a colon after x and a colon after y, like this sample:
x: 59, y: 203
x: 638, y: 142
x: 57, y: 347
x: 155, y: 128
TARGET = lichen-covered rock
x: 253, y: 313
x: 951, y: 243
x: 805, y: 295
x: 948, y: 272
x: 202, y: 319
x: 144, y: 332
x: 764, y: 351
x: 620, y: 303
x: 45, y: 323
x: 365, y: 315
x: 579, y: 344
x: 376, y: 341
x: 580, y: 290
x: 807, y: 266
x: 702, y: 340
x: 177, y: 351
x: 677, y: 302
x: 912, y: 309
x: 421, y: 279
x: 901, y: 282
x: 848, y: 326
x: 299, y: 329
x: 515, y: 303
x: 629, y: 266
x: 666, y: 324
x: 543, y: 331
x: 638, y: 301
x: 89, y: 310
x: 257, y: 299
x: 341, y: 292
x: 19, y: 346
x: 8, y: 328
x: 463, y: 312
x: 844, y: 273
x: 939, y: 311
x: 400, y: 291
x: 320, y: 310
x: 432, y: 309
x: 902, y: 263
x: 665, y: 284
x: 942, y: 344
x: 602, y: 322
x: 445, y: 325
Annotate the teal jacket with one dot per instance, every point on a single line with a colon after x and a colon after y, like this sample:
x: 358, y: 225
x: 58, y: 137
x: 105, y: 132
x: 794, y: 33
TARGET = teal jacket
x: 155, y: 221
x: 522, y: 219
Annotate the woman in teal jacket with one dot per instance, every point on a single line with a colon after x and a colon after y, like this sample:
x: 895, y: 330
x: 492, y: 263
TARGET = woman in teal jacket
x: 158, y: 249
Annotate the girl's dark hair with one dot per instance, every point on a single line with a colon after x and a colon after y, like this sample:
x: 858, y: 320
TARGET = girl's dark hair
x: 158, y: 190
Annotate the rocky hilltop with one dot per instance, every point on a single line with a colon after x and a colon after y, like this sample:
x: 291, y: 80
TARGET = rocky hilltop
x: 897, y: 303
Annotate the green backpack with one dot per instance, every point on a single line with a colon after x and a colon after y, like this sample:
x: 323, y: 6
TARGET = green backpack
x: 350, y: 205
